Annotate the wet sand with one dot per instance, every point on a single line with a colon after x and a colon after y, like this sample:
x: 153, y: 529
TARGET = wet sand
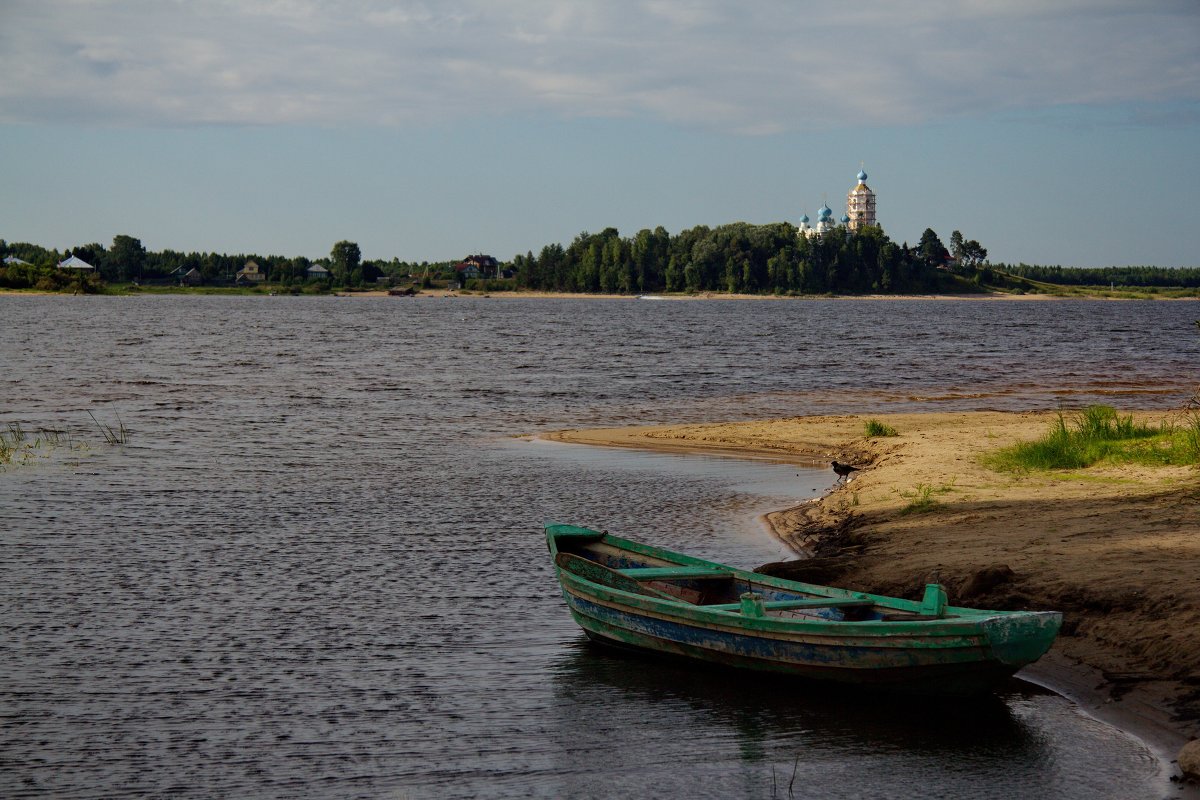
x: 1116, y: 549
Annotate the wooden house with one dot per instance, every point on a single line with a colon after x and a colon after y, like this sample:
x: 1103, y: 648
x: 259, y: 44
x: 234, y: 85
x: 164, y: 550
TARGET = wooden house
x: 477, y: 266
x: 251, y: 273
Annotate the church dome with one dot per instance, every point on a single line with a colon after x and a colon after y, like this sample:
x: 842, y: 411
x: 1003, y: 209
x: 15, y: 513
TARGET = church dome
x: 804, y: 218
x: 862, y: 176
x: 845, y: 219
x: 825, y: 213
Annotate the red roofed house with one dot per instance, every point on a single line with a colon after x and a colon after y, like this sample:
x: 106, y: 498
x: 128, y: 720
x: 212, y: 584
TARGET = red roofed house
x: 479, y: 266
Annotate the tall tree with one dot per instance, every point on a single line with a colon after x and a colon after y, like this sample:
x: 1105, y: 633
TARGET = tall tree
x: 930, y: 248
x: 345, y: 258
x: 956, y: 245
x: 126, y: 258
x: 972, y: 253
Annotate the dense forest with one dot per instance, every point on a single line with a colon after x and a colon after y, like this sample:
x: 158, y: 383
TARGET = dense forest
x: 738, y: 257
x: 734, y: 258
x: 774, y: 259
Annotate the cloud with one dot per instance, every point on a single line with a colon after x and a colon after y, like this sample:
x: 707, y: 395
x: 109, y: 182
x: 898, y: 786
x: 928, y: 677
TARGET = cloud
x: 759, y: 67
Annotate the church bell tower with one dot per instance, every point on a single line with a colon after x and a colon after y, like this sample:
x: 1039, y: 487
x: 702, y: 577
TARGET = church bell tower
x: 860, y: 204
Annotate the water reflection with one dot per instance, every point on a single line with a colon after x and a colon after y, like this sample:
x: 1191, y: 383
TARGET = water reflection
x: 708, y: 732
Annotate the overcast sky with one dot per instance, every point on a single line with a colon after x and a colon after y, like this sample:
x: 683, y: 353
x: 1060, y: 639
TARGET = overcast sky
x: 1053, y: 132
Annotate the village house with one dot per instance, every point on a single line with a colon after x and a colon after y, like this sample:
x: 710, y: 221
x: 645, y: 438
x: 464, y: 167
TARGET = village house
x: 317, y: 273
x: 467, y: 271
x: 77, y: 263
x: 478, y: 266
x: 251, y: 273
x: 186, y: 276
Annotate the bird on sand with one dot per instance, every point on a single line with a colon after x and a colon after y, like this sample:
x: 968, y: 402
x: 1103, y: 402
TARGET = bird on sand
x: 842, y: 470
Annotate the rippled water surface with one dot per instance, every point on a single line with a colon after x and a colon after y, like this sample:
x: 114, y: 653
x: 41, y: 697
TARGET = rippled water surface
x: 316, y: 567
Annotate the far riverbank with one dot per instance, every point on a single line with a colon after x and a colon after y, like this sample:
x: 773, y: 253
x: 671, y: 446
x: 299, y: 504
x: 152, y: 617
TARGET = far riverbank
x: 275, y: 291
x: 989, y: 296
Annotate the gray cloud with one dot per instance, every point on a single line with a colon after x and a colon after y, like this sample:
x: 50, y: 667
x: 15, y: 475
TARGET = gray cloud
x: 751, y: 67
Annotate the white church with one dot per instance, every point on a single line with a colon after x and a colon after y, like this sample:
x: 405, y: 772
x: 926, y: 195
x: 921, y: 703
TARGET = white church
x: 860, y: 212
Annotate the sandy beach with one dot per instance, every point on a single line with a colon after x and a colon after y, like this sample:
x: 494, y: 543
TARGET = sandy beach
x: 1116, y: 549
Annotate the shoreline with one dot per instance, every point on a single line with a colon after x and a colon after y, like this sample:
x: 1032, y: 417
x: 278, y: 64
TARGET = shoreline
x: 1106, y: 546
x: 681, y: 297
x: 667, y: 297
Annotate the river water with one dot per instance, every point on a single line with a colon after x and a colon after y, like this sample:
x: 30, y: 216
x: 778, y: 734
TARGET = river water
x: 316, y: 566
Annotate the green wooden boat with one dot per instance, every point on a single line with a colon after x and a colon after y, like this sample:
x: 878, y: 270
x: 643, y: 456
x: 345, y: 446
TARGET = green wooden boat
x: 646, y: 598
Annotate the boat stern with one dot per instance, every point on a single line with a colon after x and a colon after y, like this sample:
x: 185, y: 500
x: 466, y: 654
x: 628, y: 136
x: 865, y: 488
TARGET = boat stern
x: 1018, y: 639
x: 556, y: 532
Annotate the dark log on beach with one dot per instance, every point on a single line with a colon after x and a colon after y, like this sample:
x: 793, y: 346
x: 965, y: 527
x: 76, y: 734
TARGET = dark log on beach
x: 984, y: 581
x: 808, y: 570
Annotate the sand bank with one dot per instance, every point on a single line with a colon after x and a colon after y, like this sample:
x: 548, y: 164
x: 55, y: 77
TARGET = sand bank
x: 1116, y: 549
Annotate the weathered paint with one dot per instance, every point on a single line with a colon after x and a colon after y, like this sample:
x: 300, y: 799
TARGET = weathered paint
x: 934, y: 602
x: 1020, y: 641
x: 822, y: 645
x: 793, y: 605
x: 939, y: 646
x: 674, y: 573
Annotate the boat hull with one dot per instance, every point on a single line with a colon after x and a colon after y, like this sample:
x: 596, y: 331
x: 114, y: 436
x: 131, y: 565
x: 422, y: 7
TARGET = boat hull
x: 966, y: 671
x: 964, y: 652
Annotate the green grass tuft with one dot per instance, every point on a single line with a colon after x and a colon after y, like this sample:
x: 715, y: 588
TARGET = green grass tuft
x: 877, y: 428
x: 1189, y: 439
x: 921, y: 500
x: 1098, y: 434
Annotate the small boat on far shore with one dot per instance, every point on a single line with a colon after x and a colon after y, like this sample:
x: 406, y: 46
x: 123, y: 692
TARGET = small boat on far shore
x: 640, y: 597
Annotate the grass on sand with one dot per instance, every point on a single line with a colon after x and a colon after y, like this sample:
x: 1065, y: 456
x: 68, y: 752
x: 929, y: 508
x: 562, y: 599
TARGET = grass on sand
x: 876, y: 428
x: 1099, y: 435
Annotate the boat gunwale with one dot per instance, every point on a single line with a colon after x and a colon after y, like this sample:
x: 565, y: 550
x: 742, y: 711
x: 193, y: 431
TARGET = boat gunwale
x: 800, y: 630
x: 899, y: 634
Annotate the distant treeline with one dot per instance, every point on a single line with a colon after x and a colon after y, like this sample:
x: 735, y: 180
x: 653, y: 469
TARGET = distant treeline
x: 734, y: 258
x: 739, y: 257
x: 1185, y: 277
x: 127, y: 261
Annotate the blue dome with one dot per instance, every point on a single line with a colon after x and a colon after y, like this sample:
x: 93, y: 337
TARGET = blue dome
x: 825, y: 213
x: 862, y: 176
x: 804, y: 218
x: 845, y: 219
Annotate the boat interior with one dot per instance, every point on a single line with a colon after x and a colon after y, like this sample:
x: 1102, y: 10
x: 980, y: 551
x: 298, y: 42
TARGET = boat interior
x: 720, y: 589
